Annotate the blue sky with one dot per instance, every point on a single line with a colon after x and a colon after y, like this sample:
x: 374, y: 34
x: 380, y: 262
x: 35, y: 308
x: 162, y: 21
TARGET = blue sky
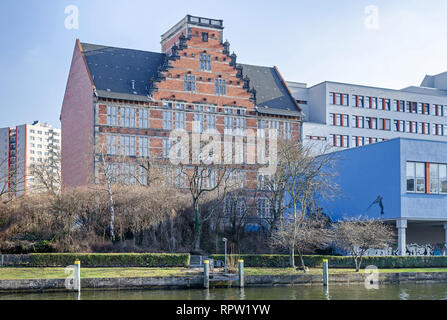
x: 309, y: 41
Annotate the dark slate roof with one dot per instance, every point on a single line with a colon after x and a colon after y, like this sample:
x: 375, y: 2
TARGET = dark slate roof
x: 271, y: 91
x: 113, y: 70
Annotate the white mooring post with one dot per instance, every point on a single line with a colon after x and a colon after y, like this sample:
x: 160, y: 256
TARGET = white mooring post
x: 77, y: 276
x: 206, y: 274
x: 325, y: 272
x: 241, y: 274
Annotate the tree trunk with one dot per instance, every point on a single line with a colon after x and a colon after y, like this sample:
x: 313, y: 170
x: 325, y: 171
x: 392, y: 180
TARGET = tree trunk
x: 357, y: 266
x: 292, y: 251
x: 197, y: 226
x: 112, y: 215
x: 360, y: 263
x: 302, y: 261
x: 292, y: 256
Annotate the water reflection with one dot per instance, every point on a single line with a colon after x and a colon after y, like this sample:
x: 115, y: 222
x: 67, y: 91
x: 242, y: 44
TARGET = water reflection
x: 241, y: 293
x: 403, y: 294
x: 336, y: 292
x: 326, y: 293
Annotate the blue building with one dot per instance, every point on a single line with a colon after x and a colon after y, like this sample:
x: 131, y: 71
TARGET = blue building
x: 400, y: 181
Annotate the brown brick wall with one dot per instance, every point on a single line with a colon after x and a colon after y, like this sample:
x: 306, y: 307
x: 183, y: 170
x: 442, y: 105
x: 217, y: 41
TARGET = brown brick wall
x: 78, y: 109
x: 77, y: 125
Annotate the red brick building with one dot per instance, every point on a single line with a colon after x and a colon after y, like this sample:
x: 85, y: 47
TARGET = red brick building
x: 131, y: 100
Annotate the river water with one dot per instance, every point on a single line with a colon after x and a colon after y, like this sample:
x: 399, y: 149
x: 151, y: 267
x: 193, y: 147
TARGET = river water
x: 335, y: 292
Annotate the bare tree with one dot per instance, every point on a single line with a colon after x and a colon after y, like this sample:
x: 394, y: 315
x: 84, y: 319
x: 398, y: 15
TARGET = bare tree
x: 358, y: 235
x: 274, y: 188
x: 309, y: 178
x: 313, y: 233
x: 238, y: 205
x: 12, y: 179
x: 204, y: 183
x: 111, y: 172
x: 47, y: 174
x: 4, y: 178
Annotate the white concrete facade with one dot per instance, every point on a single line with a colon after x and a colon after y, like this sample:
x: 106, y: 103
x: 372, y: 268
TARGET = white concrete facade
x: 422, y: 115
x: 20, y: 148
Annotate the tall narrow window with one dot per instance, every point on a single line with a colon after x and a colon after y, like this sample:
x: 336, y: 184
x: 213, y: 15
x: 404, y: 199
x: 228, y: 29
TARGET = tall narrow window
x: 434, y: 178
x: 112, y: 116
x: 111, y: 144
x: 261, y: 128
x: 443, y: 178
x: 274, y: 124
x: 167, y: 145
x: 144, y: 118
x: 240, y: 126
x: 189, y: 82
x: 220, y: 88
x: 167, y: 120
x: 144, y: 147
x: 124, y: 117
x: 180, y: 120
x: 132, y: 117
x: 287, y: 130
x: 198, y: 123
x: 205, y: 62
x: 211, y: 122
x: 229, y: 125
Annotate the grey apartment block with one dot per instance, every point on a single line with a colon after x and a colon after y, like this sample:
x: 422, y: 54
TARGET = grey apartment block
x: 368, y: 115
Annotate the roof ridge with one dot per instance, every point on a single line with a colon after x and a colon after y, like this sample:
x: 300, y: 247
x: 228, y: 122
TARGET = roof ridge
x: 287, y: 88
x: 254, y: 65
x: 120, y: 48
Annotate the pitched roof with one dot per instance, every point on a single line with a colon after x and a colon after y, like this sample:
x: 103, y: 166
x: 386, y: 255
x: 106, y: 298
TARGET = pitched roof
x: 271, y: 91
x: 113, y: 69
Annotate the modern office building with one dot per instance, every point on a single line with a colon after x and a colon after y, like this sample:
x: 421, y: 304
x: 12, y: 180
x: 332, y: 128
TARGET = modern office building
x: 20, y: 148
x: 400, y: 181
x: 347, y: 115
x: 129, y: 101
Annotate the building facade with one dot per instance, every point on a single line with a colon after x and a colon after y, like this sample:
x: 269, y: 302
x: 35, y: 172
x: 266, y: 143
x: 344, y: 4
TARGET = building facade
x: 22, y: 147
x: 129, y: 101
x: 402, y: 182
x: 346, y: 115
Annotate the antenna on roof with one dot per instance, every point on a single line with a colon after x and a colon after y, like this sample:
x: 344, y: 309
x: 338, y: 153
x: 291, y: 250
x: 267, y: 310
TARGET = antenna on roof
x: 133, y: 84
